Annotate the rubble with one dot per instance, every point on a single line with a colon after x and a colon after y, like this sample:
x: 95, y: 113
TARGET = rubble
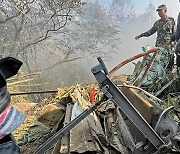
x: 67, y: 105
x: 107, y: 128
x: 101, y: 132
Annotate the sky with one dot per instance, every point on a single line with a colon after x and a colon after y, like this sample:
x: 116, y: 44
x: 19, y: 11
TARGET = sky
x: 172, y: 5
x: 140, y: 5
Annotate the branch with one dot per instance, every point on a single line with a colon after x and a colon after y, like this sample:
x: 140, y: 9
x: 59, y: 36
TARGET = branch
x: 9, y: 18
x: 46, y: 35
x: 52, y: 30
x: 16, y: 15
x: 61, y: 62
x: 40, y: 39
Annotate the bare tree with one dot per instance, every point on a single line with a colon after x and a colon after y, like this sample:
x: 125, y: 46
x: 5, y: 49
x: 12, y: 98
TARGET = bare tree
x: 25, y: 23
x: 85, y: 36
x: 122, y: 10
x: 61, y: 30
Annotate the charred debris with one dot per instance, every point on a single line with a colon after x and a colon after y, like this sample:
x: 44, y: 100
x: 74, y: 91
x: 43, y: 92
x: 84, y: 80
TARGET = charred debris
x: 117, y: 114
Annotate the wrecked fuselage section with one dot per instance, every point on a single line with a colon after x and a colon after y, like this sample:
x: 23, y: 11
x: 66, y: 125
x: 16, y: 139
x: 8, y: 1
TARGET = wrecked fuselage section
x: 155, y: 134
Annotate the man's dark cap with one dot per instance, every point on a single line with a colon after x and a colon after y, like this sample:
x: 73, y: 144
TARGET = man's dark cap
x: 161, y: 7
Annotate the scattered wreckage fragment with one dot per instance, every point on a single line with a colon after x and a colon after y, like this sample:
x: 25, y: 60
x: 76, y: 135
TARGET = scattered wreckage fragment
x: 125, y: 120
x: 143, y: 126
x: 161, y: 134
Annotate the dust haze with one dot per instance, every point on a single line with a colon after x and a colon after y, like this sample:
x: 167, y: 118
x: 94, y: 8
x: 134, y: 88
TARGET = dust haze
x: 79, y: 71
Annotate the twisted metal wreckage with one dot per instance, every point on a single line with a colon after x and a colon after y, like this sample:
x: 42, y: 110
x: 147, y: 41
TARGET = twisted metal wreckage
x: 126, y: 119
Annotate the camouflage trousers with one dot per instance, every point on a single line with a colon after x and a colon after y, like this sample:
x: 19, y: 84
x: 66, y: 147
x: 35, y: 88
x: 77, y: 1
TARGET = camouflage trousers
x: 162, y: 64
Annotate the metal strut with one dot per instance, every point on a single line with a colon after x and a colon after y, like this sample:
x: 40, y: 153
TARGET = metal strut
x: 112, y: 92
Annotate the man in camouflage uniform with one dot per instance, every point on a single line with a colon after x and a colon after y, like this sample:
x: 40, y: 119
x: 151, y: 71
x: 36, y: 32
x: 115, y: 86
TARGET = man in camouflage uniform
x: 164, y: 27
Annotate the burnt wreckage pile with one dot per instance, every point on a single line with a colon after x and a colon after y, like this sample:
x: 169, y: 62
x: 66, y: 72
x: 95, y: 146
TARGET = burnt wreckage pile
x: 109, y: 118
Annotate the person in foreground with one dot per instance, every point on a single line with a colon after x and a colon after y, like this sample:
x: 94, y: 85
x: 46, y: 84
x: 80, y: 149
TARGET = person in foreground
x: 10, y: 118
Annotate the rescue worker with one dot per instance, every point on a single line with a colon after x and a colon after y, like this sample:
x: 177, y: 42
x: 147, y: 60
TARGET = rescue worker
x: 10, y: 118
x: 164, y: 27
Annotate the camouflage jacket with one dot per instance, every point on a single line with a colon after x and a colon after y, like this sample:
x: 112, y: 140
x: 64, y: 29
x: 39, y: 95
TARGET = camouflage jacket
x: 165, y: 29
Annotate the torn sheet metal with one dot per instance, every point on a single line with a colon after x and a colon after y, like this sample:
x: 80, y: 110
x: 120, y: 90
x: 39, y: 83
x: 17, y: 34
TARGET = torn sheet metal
x: 113, y: 133
x: 94, y: 123
x: 92, y: 118
x: 51, y: 114
x: 125, y: 131
x: 65, y: 139
x: 142, y: 105
x: 81, y: 139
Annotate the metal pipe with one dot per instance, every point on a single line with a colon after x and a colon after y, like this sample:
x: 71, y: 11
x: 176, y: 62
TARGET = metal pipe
x: 131, y: 59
